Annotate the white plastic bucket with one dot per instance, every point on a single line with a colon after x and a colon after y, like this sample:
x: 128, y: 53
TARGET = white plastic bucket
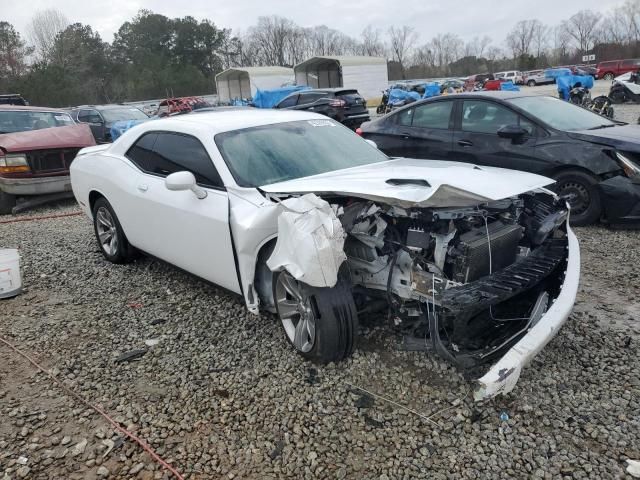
x: 10, y: 279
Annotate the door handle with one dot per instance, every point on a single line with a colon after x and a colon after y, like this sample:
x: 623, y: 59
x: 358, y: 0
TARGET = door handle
x: 465, y: 143
x: 143, y: 187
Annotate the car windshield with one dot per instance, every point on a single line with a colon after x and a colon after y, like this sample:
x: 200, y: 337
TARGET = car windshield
x: 559, y: 114
x: 23, y: 120
x: 274, y: 153
x: 124, y: 113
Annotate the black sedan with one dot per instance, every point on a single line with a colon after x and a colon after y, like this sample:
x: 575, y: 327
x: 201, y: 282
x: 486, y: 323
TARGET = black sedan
x: 594, y: 160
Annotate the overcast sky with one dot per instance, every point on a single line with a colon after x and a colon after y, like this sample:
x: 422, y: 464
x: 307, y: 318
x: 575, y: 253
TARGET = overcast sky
x: 467, y: 18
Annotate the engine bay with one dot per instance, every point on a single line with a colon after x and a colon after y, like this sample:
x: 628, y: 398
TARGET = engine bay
x: 466, y: 282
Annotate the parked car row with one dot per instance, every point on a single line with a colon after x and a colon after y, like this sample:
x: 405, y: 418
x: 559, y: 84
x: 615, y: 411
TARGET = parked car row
x: 594, y: 160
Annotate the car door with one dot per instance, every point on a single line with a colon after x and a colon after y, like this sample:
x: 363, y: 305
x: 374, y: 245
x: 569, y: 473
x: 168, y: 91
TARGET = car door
x: 176, y: 226
x: 476, y: 139
x: 429, y: 133
x: 95, y: 121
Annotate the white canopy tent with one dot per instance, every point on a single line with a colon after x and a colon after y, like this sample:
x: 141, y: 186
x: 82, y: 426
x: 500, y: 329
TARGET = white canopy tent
x: 242, y: 82
x: 368, y: 75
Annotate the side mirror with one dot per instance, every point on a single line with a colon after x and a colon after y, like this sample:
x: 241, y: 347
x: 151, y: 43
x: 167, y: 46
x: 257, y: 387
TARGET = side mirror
x: 371, y: 142
x: 513, y: 132
x: 179, y: 181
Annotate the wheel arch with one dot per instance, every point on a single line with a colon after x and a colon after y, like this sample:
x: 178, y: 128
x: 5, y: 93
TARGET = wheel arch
x: 94, y: 195
x: 262, y: 276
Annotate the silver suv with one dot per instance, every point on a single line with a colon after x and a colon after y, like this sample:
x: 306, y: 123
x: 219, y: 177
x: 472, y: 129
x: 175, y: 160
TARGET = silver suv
x: 536, y: 77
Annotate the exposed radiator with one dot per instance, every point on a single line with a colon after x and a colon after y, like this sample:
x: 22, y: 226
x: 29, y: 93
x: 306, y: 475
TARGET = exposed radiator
x: 471, y: 260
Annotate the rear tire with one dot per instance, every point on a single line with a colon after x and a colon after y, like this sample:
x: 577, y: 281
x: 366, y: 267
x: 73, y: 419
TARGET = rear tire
x: 7, y: 202
x: 111, y: 239
x: 586, y: 207
x: 320, y: 323
x: 531, y: 83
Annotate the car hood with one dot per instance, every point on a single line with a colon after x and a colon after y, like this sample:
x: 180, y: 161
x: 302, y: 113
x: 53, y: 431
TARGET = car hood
x: 409, y: 183
x: 624, y: 135
x: 73, y: 136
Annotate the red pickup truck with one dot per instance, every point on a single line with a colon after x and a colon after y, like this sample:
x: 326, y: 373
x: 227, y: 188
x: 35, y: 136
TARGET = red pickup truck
x: 37, y: 145
x: 612, y: 69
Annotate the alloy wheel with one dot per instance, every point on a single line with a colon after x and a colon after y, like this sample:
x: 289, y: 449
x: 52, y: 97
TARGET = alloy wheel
x: 296, y: 312
x: 107, y: 233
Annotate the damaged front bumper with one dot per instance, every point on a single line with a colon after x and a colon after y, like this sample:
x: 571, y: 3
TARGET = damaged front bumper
x: 620, y: 201
x: 504, y: 374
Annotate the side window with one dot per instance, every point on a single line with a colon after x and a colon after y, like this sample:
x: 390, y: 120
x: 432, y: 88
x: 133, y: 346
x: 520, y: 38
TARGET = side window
x: 89, y: 116
x: 288, y: 102
x: 433, y: 115
x: 310, y: 97
x: 486, y: 117
x: 405, y: 117
x: 174, y: 152
x: 141, y: 152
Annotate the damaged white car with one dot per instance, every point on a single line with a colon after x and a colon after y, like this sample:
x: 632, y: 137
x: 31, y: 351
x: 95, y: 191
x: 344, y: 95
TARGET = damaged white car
x: 306, y: 219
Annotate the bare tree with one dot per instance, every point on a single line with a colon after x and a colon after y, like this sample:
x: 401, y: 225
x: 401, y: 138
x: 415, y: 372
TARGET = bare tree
x: 520, y: 38
x: 582, y: 28
x: 42, y: 31
x: 540, y: 40
x: 477, y: 46
x: 372, y: 44
x: 401, y: 41
x: 446, y: 49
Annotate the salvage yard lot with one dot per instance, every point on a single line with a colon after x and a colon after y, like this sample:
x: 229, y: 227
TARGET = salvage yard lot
x: 222, y: 395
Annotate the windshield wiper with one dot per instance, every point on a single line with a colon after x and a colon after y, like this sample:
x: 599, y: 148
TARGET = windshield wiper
x: 607, y: 125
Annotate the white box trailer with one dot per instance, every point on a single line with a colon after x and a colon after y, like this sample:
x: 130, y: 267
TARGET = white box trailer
x: 368, y: 75
x: 242, y: 82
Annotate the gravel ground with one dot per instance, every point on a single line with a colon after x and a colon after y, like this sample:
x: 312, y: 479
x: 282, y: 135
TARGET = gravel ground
x: 221, y: 394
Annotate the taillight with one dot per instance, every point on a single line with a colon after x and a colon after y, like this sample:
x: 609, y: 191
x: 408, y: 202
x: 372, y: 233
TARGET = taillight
x: 337, y: 102
x: 14, y: 163
x: 359, y: 131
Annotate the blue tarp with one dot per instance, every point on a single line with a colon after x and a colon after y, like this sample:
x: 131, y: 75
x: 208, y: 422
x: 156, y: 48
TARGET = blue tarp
x: 270, y: 98
x: 567, y: 82
x: 431, y: 90
x: 121, y: 126
x: 509, y: 87
x: 557, y: 72
x: 397, y: 95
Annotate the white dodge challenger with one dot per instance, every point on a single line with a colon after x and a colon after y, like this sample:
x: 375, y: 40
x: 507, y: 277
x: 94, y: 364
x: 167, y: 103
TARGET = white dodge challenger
x: 305, y: 219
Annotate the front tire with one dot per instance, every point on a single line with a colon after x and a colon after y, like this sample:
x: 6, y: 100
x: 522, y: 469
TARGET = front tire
x: 7, y: 202
x: 584, y: 198
x: 531, y: 83
x: 608, y: 76
x: 109, y: 233
x: 320, y: 323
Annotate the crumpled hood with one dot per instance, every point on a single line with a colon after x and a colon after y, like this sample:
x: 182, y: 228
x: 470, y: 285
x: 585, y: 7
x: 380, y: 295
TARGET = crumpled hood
x: 73, y: 136
x: 409, y: 183
x: 623, y: 136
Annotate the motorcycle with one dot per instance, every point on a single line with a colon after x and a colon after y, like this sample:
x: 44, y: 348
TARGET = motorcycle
x: 580, y: 95
x: 602, y: 106
x: 382, y: 108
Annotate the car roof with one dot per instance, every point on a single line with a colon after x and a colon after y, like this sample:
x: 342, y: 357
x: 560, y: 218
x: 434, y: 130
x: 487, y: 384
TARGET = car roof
x: 105, y: 107
x: 32, y: 108
x: 497, y: 95
x: 212, y: 123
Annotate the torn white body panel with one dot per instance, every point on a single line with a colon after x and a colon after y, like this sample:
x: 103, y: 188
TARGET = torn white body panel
x: 504, y: 375
x: 410, y: 183
x: 310, y: 241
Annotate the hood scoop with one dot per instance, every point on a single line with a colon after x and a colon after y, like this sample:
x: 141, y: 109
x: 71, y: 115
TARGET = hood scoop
x: 418, y: 182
